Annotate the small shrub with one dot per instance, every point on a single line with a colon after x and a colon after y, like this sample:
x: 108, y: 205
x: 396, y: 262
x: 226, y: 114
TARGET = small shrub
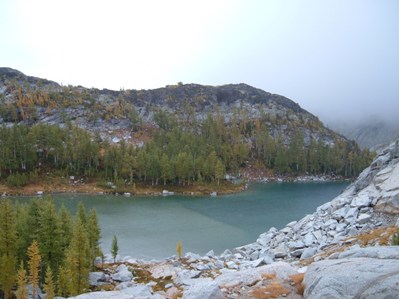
x: 17, y: 180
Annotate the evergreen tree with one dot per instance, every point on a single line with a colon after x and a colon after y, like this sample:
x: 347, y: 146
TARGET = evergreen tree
x: 22, y: 288
x: 129, y: 164
x: 33, y: 220
x: 34, y: 267
x: 94, y: 233
x: 7, y: 275
x: 49, y: 288
x: 165, y: 168
x: 114, y: 248
x: 50, y: 236
x: 219, y: 171
x: 81, y: 214
x: 22, y: 231
x: 7, y: 247
x: 78, y: 260
x: 281, y: 162
x: 65, y: 227
x: 62, y: 282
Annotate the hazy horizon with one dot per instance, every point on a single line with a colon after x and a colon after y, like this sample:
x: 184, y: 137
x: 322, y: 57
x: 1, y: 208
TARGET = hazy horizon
x: 337, y: 59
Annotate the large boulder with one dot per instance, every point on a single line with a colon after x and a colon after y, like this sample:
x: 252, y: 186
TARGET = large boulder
x: 377, y: 252
x: 282, y: 270
x: 96, y: 277
x: 122, y: 274
x: 387, y: 182
x: 203, y: 288
x: 352, y: 278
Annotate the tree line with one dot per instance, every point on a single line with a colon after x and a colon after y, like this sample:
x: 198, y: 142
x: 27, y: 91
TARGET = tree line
x: 177, y: 153
x: 46, y: 248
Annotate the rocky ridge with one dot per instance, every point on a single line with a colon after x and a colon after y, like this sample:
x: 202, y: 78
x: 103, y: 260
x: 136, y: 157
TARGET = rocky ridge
x: 318, y: 256
x: 117, y: 115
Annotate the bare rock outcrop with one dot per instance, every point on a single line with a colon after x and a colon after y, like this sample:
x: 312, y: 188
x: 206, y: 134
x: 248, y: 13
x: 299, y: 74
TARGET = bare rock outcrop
x: 362, y: 273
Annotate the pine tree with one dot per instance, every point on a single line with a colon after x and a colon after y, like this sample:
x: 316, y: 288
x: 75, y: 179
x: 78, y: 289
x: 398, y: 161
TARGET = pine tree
x: 7, y: 276
x: 22, y: 289
x: 81, y: 214
x: 65, y: 227
x: 49, y: 236
x: 94, y: 233
x: 22, y: 231
x: 78, y: 260
x: 219, y: 171
x: 165, y: 168
x: 49, y: 284
x: 34, y: 266
x: 62, y: 282
x: 34, y: 219
x: 114, y: 248
x: 7, y: 247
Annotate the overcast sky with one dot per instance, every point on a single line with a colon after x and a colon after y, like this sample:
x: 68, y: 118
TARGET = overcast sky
x: 334, y: 58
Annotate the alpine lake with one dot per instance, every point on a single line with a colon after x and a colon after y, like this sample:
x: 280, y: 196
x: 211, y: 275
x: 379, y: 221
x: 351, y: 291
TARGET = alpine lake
x: 149, y: 227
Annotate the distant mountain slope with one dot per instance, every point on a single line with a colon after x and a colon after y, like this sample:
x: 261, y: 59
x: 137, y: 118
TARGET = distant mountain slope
x: 179, y: 133
x: 373, y: 132
x: 31, y: 100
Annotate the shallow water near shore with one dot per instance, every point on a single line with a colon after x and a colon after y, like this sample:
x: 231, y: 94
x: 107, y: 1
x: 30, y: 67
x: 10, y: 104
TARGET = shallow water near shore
x: 149, y: 227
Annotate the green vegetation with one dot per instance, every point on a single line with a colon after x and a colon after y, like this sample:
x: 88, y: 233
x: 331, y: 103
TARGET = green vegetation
x: 175, y: 154
x: 114, y: 248
x: 181, y: 147
x: 395, y: 239
x: 50, y: 244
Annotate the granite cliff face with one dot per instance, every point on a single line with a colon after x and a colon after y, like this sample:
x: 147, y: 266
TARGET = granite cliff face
x: 30, y: 100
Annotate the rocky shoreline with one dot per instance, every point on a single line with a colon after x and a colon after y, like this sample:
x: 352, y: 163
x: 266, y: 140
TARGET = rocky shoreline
x: 318, y: 256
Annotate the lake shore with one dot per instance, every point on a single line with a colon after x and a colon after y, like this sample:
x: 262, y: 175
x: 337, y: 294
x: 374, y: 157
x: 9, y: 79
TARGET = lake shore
x: 59, y: 185
x: 56, y: 185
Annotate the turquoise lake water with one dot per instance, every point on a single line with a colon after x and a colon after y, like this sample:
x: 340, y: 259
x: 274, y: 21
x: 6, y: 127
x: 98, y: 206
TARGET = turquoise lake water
x: 149, y: 227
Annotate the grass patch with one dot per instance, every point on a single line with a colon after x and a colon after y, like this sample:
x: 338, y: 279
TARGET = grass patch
x: 296, y: 281
x: 144, y: 276
x: 268, y: 276
x: 272, y: 290
x: 380, y: 236
x: 105, y: 287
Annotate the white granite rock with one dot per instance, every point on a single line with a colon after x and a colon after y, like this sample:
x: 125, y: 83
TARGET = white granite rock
x: 203, y: 288
x: 95, y: 278
x: 122, y: 274
x: 352, y: 278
